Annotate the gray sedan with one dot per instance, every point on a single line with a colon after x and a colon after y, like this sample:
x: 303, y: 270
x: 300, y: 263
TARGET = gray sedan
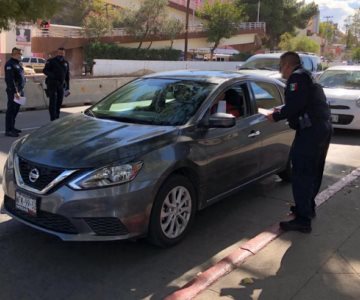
x: 147, y: 157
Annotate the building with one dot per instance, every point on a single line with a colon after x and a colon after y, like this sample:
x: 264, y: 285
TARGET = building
x: 73, y: 39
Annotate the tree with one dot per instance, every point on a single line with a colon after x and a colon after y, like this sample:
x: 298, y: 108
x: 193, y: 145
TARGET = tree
x: 298, y: 43
x: 327, y: 31
x: 280, y: 16
x: 97, y: 25
x: 221, y: 21
x: 145, y: 21
x: 18, y: 11
x: 172, y: 28
x: 356, y: 54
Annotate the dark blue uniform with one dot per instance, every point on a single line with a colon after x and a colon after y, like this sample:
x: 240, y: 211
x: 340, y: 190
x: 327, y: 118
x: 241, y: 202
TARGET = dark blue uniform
x: 308, y: 113
x: 15, y: 83
x: 57, y: 71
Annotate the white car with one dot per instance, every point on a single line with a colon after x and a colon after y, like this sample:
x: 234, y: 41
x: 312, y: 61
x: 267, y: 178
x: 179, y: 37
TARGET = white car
x: 342, y: 88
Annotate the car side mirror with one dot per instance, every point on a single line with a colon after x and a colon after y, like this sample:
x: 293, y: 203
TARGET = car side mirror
x: 218, y: 120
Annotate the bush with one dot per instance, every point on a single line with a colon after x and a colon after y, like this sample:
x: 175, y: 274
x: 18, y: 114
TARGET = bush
x: 112, y: 51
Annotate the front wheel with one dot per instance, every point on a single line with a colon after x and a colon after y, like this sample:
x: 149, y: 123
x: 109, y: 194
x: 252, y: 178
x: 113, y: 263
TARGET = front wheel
x: 173, y: 211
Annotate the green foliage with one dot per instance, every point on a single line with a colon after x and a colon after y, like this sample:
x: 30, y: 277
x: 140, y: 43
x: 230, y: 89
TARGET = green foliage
x: 280, y: 16
x: 18, y: 11
x: 111, y: 51
x: 145, y: 21
x: 356, y: 54
x: 75, y: 12
x: 298, y: 43
x: 222, y: 20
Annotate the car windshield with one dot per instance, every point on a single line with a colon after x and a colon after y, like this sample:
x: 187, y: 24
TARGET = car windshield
x: 157, y: 101
x: 262, y: 63
x: 346, y: 79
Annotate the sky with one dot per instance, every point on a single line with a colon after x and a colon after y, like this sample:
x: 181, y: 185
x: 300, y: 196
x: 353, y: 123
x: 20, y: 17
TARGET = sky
x: 337, y: 10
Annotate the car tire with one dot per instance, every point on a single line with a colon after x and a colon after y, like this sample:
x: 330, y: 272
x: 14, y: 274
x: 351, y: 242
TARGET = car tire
x: 286, y: 174
x: 173, y: 212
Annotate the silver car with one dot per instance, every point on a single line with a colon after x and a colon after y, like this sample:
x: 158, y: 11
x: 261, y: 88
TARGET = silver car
x: 147, y: 157
x: 342, y: 88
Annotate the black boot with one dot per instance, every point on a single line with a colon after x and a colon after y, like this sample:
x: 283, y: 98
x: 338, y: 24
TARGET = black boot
x: 297, y: 224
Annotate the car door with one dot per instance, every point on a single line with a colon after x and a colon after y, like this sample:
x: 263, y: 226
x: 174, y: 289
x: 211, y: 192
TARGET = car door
x: 230, y: 156
x: 276, y: 137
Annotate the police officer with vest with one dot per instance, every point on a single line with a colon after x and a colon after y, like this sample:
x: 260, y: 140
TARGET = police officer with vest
x: 15, y: 83
x: 57, y: 81
x: 308, y: 113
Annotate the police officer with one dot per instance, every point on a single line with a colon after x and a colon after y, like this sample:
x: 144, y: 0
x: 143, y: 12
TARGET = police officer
x: 57, y: 81
x: 15, y: 83
x: 308, y: 113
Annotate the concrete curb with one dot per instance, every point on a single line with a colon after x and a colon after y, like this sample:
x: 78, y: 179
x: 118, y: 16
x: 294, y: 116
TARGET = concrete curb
x: 250, y: 248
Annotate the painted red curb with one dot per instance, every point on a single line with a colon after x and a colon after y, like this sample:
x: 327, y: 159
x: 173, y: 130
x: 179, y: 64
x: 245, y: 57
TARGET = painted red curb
x: 250, y: 248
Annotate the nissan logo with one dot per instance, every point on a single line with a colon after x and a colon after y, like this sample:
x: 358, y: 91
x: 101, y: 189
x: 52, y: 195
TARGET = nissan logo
x: 34, y: 175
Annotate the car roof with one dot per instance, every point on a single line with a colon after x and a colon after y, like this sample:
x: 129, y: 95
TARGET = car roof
x: 345, y: 68
x: 278, y: 54
x: 210, y: 75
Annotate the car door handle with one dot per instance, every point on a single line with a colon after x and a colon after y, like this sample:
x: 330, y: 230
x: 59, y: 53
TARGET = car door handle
x: 254, y: 133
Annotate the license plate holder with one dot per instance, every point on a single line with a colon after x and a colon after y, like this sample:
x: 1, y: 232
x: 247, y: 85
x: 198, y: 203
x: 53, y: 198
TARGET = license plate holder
x: 26, y: 203
x: 335, y: 118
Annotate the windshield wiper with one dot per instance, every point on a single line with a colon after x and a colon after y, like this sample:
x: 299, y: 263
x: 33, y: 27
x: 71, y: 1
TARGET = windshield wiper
x: 125, y: 119
x: 247, y: 68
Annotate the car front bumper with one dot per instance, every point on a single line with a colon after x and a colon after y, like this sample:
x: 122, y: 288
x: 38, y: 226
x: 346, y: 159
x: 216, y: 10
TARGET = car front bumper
x: 113, y: 213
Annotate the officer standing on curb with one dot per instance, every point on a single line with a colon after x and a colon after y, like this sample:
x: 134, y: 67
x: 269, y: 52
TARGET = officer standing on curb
x: 15, y: 83
x: 308, y: 113
x: 57, y: 81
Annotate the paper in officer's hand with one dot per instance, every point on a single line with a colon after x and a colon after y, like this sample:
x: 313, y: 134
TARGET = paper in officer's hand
x: 20, y: 100
x: 265, y: 112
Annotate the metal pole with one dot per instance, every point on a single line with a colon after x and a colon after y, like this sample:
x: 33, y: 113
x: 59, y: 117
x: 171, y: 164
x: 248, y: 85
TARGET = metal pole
x: 186, y: 29
x: 258, y: 12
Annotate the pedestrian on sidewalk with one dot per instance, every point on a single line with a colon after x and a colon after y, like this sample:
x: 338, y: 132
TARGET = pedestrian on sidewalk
x: 15, y: 83
x: 308, y: 113
x: 57, y: 82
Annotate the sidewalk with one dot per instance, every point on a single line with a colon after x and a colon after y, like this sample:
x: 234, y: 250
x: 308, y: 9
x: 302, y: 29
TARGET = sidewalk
x: 322, y: 265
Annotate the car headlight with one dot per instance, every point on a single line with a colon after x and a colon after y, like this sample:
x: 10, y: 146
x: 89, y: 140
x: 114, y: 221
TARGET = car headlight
x: 107, y: 176
x: 358, y: 102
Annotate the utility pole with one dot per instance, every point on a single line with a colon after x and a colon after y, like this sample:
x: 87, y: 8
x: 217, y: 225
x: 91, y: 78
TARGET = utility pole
x: 258, y: 12
x: 186, y: 29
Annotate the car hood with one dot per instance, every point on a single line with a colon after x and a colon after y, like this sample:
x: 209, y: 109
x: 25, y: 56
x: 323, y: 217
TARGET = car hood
x: 80, y: 141
x: 341, y: 95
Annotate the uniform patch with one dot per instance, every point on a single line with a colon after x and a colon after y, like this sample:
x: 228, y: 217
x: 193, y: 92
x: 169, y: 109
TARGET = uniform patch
x: 293, y: 87
x: 8, y: 68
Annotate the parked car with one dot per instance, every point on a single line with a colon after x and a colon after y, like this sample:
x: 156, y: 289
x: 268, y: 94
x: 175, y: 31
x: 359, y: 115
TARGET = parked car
x: 36, y: 63
x: 147, y: 157
x: 342, y: 88
x: 29, y: 71
x: 267, y: 64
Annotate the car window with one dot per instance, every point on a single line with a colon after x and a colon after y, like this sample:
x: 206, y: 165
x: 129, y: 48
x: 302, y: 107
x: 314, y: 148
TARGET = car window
x: 158, y: 101
x: 267, y: 63
x: 266, y: 95
x: 307, y: 63
x: 347, y: 79
x: 33, y: 60
x: 231, y: 100
x: 41, y: 60
x: 25, y: 59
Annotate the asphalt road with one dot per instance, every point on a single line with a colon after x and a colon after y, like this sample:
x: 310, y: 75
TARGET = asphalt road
x: 35, y: 265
